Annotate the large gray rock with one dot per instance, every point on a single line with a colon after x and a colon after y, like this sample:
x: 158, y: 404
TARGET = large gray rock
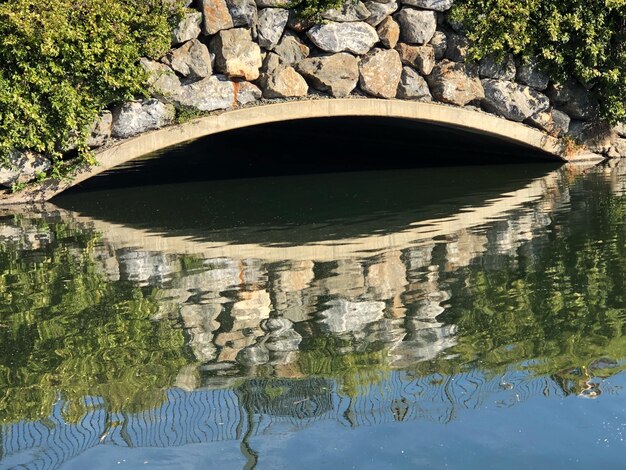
x: 499, y: 69
x: 272, y: 22
x: 284, y: 83
x: 236, y: 55
x: 100, y: 131
x: 357, y: 37
x: 215, y: 16
x: 161, y: 79
x: 440, y: 44
x: 188, y: 28
x: 416, y: 26
x: 388, y: 32
x: 243, y: 13
x: 529, y: 73
x: 135, y: 117
x: 552, y: 121
x: 574, y: 99
x: 598, y: 137
x: 379, y: 11
x: 457, y: 47
x: 421, y: 58
x: 349, y: 11
x: 453, y: 83
x: 337, y: 74
x: 22, y: 167
x: 217, y: 92
x: 437, y: 5
x: 412, y: 86
x: 291, y: 49
x: 379, y: 73
x: 191, y: 60
x: 513, y: 101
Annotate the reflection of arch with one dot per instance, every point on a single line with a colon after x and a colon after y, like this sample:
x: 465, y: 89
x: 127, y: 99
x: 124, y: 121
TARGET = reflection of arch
x: 454, y: 117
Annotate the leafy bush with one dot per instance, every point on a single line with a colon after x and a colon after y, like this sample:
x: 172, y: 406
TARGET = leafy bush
x: 579, y: 39
x: 65, y: 60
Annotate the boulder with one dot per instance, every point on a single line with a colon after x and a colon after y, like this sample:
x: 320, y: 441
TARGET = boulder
x: 136, y: 117
x: 388, y: 32
x: 618, y: 149
x: 243, y: 13
x: 452, y: 82
x: 187, y: 28
x: 236, y: 55
x: 498, y: 68
x: 598, y: 137
x: 215, y: 16
x: 440, y: 44
x: 337, y: 74
x: 379, y: 73
x: 529, y: 73
x: 272, y: 22
x: 421, y: 58
x: 100, y: 131
x: 357, y: 37
x: 412, y: 86
x: 22, y: 167
x: 513, y: 101
x: 191, y: 60
x: 457, y: 47
x: 379, y: 11
x: 161, y: 79
x: 552, y: 121
x: 437, y: 5
x: 284, y: 83
x: 291, y: 49
x: 574, y: 99
x: 416, y: 26
x: 217, y: 92
x: 349, y: 11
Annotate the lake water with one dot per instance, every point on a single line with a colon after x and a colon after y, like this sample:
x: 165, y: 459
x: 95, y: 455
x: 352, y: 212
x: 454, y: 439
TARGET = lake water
x: 460, y: 317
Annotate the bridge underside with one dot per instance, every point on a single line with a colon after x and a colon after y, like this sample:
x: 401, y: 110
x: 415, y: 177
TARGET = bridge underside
x: 395, y: 134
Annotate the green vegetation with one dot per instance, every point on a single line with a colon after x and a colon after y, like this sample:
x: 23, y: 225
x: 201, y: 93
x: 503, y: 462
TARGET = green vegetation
x: 64, y: 61
x: 578, y: 39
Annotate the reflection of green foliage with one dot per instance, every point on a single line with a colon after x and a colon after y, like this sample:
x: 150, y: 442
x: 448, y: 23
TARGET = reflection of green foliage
x: 560, y: 304
x: 66, y: 329
x: 355, y: 371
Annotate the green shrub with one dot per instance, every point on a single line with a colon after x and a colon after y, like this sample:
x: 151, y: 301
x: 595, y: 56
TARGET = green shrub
x: 63, y: 61
x: 579, y: 39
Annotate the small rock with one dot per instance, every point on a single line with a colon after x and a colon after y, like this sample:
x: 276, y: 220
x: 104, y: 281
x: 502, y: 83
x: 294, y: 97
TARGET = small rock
x: 388, y: 32
x: 379, y: 11
x: 552, y: 121
x: 337, y: 74
x: 453, y: 83
x: 349, y: 11
x: 284, y: 83
x: 236, y: 55
x: 437, y: 5
x: 188, y: 28
x: 513, y: 101
x: 272, y: 22
x: 416, y: 26
x: 458, y: 48
x: 191, y: 60
x: 22, y: 167
x: 243, y: 13
x: 100, y: 130
x: 499, y: 69
x: 215, y: 16
x: 357, y: 37
x: 529, y: 73
x: 412, y: 86
x: 136, y: 117
x: 440, y: 44
x: 574, y: 99
x: 379, y: 73
x: 421, y: 58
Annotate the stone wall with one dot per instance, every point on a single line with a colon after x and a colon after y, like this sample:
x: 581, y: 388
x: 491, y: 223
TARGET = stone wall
x: 231, y: 53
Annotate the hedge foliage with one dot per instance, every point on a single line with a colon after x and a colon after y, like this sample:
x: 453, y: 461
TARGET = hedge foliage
x: 582, y: 39
x: 63, y: 61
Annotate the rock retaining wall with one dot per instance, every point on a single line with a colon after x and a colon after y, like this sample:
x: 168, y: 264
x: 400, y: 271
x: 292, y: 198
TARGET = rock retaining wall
x: 229, y: 53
